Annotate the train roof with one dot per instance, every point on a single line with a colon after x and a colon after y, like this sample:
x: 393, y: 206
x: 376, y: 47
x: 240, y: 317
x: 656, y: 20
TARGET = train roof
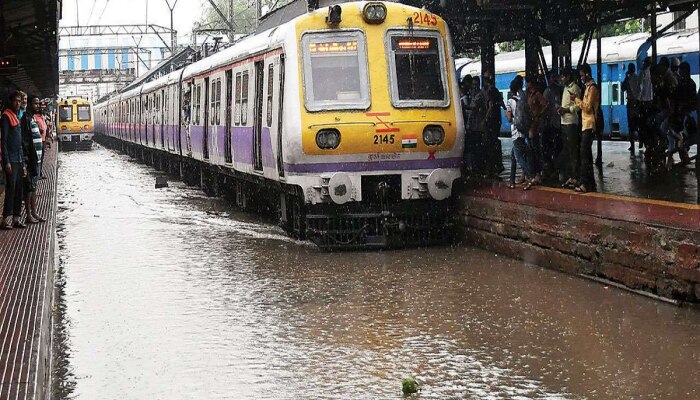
x: 615, y: 49
x: 269, y: 39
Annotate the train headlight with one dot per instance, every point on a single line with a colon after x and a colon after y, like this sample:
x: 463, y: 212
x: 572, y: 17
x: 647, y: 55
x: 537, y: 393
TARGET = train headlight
x: 433, y: 135
x: 328, y: 138
x: 374, y: 13
x: 64, y: 128
x: 86, y: 127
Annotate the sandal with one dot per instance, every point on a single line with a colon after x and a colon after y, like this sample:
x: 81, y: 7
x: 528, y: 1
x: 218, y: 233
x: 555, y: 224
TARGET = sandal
x: 528, y: 185
x: 511, y: 185
x: 39, y: 219
x: 581, y: 189
x: 18, y: 224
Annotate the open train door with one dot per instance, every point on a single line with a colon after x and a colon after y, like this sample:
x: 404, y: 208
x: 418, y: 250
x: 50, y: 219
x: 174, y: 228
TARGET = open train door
x: 613, y: 101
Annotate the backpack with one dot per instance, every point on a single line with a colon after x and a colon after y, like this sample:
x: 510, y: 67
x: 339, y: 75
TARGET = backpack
x: 522, y: 116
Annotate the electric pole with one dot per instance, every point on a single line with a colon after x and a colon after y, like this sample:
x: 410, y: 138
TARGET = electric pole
x: 173, y: 37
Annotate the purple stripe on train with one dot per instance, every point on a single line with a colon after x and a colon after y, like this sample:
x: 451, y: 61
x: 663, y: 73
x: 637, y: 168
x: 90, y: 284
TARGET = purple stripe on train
x: 375, y: 165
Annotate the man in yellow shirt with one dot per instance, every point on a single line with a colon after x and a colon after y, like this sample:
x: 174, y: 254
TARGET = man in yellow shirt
x: 589, y: 113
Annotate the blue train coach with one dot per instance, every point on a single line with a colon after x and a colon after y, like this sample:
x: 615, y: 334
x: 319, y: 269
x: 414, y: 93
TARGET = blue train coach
x: 618, y: 52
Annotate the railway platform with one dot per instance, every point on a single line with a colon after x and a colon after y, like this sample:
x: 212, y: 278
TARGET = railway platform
x: 643, y: 244
x: 27, y: 260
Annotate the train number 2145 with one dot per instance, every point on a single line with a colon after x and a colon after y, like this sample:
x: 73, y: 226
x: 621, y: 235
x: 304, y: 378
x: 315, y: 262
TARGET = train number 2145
x: 384, y: 139
x: 420, y: 18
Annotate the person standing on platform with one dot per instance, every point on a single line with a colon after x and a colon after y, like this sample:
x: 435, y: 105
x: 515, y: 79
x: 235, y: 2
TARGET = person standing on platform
x: 520, y: 152
x: 465, y: 100
x: 537, y: 105
x: 551, y: 132
x: 493, y: 147
x: 23, y: 105
x: 631, y: 88
x: 589, y: 115
x: 646, y: 97
x: 477, y: 126
x: 570, y: 129
x: 12, y: 162
x: 43, y: 129
x: 33, y: 150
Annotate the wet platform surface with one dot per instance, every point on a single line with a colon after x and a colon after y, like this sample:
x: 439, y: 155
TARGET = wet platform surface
x: 625, y: 176
x: 26, y: 271
x: 608, y: 206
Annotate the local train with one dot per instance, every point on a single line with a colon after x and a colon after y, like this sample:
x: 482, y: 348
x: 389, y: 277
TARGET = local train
x: 75, y: 126
x: 617, y: 53
x: 345, y: 119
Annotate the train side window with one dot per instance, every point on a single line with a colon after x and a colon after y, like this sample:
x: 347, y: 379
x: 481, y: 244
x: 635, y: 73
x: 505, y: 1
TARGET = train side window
x: 197, y: 106
x: 237, y: 106
x: 615, y: 93
x: 270, y: 92
x: 244, y: 98
x: 215, y: 102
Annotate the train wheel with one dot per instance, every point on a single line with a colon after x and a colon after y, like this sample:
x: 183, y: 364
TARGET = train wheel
x: 241, y: 196
x: 208, y: 183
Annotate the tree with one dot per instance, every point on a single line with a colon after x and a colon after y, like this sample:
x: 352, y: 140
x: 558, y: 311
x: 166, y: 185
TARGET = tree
x: 242, y: 14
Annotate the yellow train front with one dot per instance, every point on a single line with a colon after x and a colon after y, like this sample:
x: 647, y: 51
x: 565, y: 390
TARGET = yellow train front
x: 381, y: 126
x: 75, y: 123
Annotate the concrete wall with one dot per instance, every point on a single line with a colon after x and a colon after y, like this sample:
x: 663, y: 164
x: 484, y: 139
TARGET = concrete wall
x: 660, y: 260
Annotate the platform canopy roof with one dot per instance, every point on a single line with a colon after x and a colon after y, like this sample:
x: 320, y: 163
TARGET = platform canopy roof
x: 28, y: 31
x: 514, y: 19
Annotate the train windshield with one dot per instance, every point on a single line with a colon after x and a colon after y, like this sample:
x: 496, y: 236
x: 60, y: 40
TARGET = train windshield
x: 335, y: 71
x: 65, y: 113
x: 84, y: 113
x: 417, y: 69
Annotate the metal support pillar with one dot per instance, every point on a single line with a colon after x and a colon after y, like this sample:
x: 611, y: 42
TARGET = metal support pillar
x: 599, y: 82
x: 532, y: 55
x: 654, y: 35
x: 556, y: 46
x: 488, y: 52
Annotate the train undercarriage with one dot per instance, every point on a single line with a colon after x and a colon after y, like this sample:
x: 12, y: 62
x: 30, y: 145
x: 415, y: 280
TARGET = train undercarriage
x: 381, y: 220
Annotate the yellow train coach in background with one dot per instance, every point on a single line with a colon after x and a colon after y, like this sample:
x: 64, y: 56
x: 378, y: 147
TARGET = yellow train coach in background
x: 75, y: 123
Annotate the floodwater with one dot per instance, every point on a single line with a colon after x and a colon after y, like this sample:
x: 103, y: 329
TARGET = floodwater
x: 167, y: 294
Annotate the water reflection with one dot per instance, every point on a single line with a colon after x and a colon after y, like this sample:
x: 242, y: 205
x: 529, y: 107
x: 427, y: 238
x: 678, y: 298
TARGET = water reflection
x: 169, y: 294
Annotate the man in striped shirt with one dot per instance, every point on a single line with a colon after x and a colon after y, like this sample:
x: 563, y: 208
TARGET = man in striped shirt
x: 34, y: 146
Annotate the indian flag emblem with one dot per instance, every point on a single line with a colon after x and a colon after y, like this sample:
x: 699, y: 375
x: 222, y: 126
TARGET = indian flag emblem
x: 409, y: 142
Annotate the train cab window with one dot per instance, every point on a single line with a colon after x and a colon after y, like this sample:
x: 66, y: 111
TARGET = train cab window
x: 335, y: 71
x: 65, y: 113
x: 417, y: 69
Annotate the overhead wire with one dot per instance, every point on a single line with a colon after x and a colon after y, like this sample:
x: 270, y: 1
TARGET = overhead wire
x: 102, y: 13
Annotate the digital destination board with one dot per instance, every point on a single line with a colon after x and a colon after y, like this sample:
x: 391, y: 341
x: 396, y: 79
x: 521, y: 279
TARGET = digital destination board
x: 349, y: 46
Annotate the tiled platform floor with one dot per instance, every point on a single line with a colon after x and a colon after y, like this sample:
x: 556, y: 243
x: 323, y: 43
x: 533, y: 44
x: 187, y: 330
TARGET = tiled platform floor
x: 26, y: 285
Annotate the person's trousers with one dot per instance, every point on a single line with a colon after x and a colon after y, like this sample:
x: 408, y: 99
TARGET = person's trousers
x: 572, y: 151
x: 520, y: 156
x: 535, y: 154
x: 13, y: 192
x: 41, y: 162
x: 586, y: 168
x: 632, y: 118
